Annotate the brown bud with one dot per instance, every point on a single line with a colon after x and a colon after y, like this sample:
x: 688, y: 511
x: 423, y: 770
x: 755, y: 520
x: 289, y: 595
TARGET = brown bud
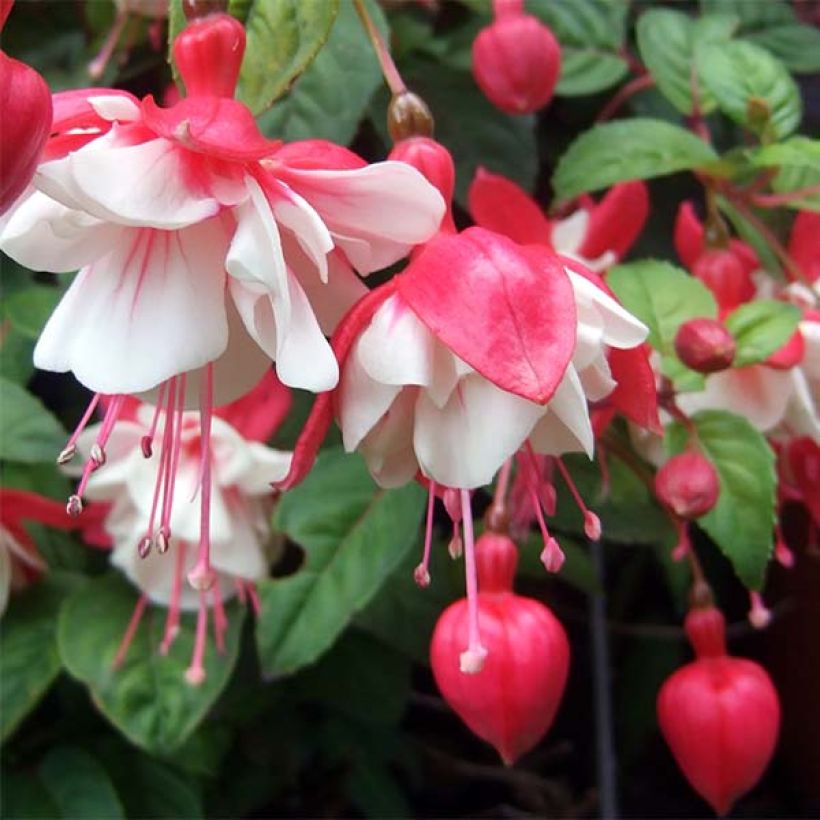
x: 408, y: 116
x: 705, y: 345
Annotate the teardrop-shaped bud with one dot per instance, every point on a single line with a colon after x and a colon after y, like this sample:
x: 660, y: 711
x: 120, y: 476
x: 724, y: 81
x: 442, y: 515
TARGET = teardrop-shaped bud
x: 433, y: 160
x: 516, y: 63
x: 724, y: 273
x: 25, y: 110
x: 705, y: 345
x: 208, y: 53
x: 688, y: 484
x: 720, y: 716
x: 512, y: 701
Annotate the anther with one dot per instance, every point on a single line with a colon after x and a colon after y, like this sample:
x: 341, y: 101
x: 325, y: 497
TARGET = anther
x: 66, y: 454
x: 74, y: 506
x: 163, y: 540
x: 146, y: 445
x: 552, y: 556
x: 97, y: 454
x: 144, y: 546
x: 455, y: 547
x: 421, y: 576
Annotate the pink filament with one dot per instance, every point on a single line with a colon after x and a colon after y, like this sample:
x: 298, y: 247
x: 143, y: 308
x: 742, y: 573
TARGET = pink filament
x: 472, y: 660
x: 172, y: 619
x: 165, y: 455
x: 592, y: 524
x: 152, y: 431
x: 195, y: 673
x: 173, y: 462
x: 254, y: 596
x: 130, y: 631
x: 422, y: 571
x: 220, y: 619
x: 202, y: 576
x: 83, y: 421
x: 759, y: 614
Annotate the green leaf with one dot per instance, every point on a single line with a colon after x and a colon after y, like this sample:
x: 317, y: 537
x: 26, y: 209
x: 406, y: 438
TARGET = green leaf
x: 588, y: 71
x: 79, y: 785
x: 753, y: 16
x: 742, y: 522
x: 353, y: 535
x: 22, y: 794
x: 662, y: 296
x: 760, y: 328
x: 331, y: 97
x: 749, y: 233
x: 747, y: 81
x: 28, y: 432
x: 578, y: 570
x: 639, y: 148
x: 795, y: 45
x: 666, y: 40
x: 799, y: 161
x: 591, y: 33
x: 28, y: 647
x: 474, y: 130
x: 16, y: 357
x: 283, y: 37
x: 147, y: 698
x: 29, y: 309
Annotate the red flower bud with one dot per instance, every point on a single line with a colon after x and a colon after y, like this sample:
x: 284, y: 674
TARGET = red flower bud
x: 720, y: 715
x: 25, y: 111
x: 209, y: 53
x: 688, y: 484
x: 705, y: 345
x: 724, y: 273
x: 512, y: 701
x: 433, y: 160
x: 516, y: 62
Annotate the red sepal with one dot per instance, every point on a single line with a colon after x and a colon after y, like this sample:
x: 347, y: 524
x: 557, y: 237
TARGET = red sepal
x: 506, y: 310
x: 635, y: 396
x: 804, y: 244
x: 498, y: 204
x: 790, y: 354
x: 616, y: 221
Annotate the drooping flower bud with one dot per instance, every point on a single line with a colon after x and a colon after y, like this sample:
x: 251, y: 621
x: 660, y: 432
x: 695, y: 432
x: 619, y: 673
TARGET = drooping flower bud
x: 688, y: 484
x: 516, y: 61
x: 209, y: 54
x: 705, y: 345
x: 723, y: 272
x: 25, y: 110
x: 720, y: 715
x: 512, y: 701
x: 408, y: 116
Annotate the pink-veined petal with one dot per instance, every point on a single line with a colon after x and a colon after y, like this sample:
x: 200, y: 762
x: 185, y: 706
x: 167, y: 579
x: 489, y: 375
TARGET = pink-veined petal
x: 388, y: 447
x: 143, y: 185
x: 152, y: 308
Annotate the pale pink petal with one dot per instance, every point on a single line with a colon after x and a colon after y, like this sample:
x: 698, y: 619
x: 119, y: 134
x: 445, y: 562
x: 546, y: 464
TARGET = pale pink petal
x: 573, y: 430
x: 464, y: 443
x: 597, y: 380
x: 266, y: 465
x: 388, y: 447
x: 152, y: 308
x: 376, y: 213
x: 115, y: 107
x: 757, y: 392
x: 44, y: 235
x: 801, y: 418
x: 568, y: 234
x: 144, y: 185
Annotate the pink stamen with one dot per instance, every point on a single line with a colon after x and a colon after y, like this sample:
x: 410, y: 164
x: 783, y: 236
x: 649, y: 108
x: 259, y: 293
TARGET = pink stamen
x: 421, y: 574
x: 782, y: 554
x: 195, y: 673
x: 130, y: 631
x: 147, y: 442
x: 241, y: 595
x: 220, y: 619
x: 67, y: 453
x: 172, y: 619
x: 202, y: 577
x: 164, y: 456
x: 254, y: 596
x: 472, y: 659
x: 760, y: 616
x: 592, y: 524
x: 173, y: 461
x: 97, y: 458
x: 552, y: 556
x: 96, y: 67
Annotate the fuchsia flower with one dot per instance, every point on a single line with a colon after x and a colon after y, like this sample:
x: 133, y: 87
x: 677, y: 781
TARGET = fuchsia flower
x: 193, y: 231
x: 778, y: 396
x: 597, y: 234
x: 158, y: 534
x: 479, y: 348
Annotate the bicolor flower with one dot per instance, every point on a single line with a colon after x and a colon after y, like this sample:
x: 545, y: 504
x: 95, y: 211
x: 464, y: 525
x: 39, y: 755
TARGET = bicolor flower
x: 199, y: 509
x: 196, y: 236
x: 596, y: 234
